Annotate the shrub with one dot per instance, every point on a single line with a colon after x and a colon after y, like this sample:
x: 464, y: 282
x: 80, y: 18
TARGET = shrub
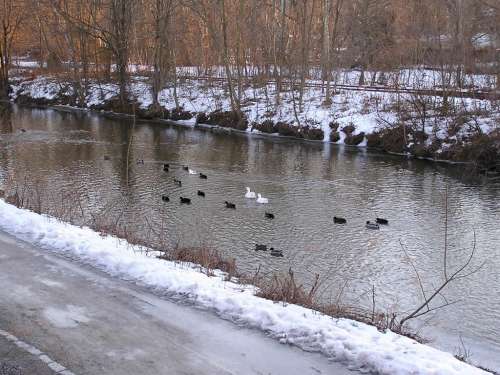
x: 374, y: 140
x: 114, y: 105
x: 349, y: 129
x: 314, y: 134
x: 421, y: 150
x: 153, y: 112
x: 228, y: 119
x: 334, y: 136
x: 334, y: 126
x: 288, y: 130
x: 201, y: 118
x: 179, y: 113
x: 390, y: 139
x: 267, y: 126
x: 482, y: 149
x: 354, y: 139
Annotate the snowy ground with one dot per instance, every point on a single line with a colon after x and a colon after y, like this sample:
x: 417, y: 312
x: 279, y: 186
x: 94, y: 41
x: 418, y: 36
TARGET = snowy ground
x: 416, y: 77
x: 367, y: 111
x: 358, y: 345
x: 113, y: 326
x: 423, y: 77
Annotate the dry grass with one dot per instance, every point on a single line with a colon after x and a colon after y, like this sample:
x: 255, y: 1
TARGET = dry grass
x: 285, y: 288
x: 209, y: 259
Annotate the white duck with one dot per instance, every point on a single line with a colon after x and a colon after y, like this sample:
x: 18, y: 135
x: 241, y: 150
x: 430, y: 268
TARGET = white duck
x: 191, y: 171
x: 261, y: 199
x: 250, y: 194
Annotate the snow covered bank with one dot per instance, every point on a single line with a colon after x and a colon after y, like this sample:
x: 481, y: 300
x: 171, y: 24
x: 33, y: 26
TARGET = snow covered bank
x: 424, y: 126
x: 358, y: 345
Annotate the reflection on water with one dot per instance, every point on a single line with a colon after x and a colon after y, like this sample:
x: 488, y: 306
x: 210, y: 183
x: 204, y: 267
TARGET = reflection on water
x: 5, y: 119
x: 306, y: 183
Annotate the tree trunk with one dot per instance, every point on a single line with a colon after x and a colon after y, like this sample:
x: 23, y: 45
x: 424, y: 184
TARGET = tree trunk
x: 325, y: 51
x: 235, y: 105
x: 121, y: 19
x: 279, y: 57
x: 361, y: 81
x: 174, y: 63
x: 122, y: 73
x: 4, y: 67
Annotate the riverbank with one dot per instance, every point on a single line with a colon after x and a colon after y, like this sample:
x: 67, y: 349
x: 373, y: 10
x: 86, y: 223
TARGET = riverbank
x: 460, y: 130
x: 358, y: 345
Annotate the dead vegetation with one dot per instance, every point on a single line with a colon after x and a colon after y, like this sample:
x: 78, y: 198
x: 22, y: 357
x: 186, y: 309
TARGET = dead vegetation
x: 207, y: 258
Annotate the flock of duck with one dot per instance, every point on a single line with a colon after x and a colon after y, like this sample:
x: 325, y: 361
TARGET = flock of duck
x: 259, y: 199
x: 248, y: 195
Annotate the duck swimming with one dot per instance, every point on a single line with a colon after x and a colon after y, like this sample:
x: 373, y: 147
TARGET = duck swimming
x: 250, y: 194
x: 276, y: 252
x: 230, y: 205
x: 261, y: 199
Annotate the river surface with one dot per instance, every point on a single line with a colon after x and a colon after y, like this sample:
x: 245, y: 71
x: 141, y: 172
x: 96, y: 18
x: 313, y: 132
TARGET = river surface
x: 307, y: 184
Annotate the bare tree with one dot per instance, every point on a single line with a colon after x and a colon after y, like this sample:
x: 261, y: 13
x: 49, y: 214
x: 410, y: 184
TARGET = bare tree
x: 283, y: 40
x: 110, y: 22
x: 214, y: 15
x: 450, y: 276
x: 279, y: 48
x: 162, y: 12
x: 12, y: 13
x: 118, y: 37
x: 330, y: 41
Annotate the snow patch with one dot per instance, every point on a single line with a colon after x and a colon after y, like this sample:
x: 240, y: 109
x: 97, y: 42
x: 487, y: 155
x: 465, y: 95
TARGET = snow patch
x: 127, y: 355
x: 50, y: 283
x: 70, y: 317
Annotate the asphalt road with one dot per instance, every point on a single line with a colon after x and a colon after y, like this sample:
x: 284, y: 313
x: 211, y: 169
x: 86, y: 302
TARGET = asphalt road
x: 86, y: 322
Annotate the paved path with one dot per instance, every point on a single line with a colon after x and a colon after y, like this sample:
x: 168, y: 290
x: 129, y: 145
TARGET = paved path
x: 85, y: 322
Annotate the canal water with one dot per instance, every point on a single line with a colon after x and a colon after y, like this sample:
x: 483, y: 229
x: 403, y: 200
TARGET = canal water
x: 306, y: 184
